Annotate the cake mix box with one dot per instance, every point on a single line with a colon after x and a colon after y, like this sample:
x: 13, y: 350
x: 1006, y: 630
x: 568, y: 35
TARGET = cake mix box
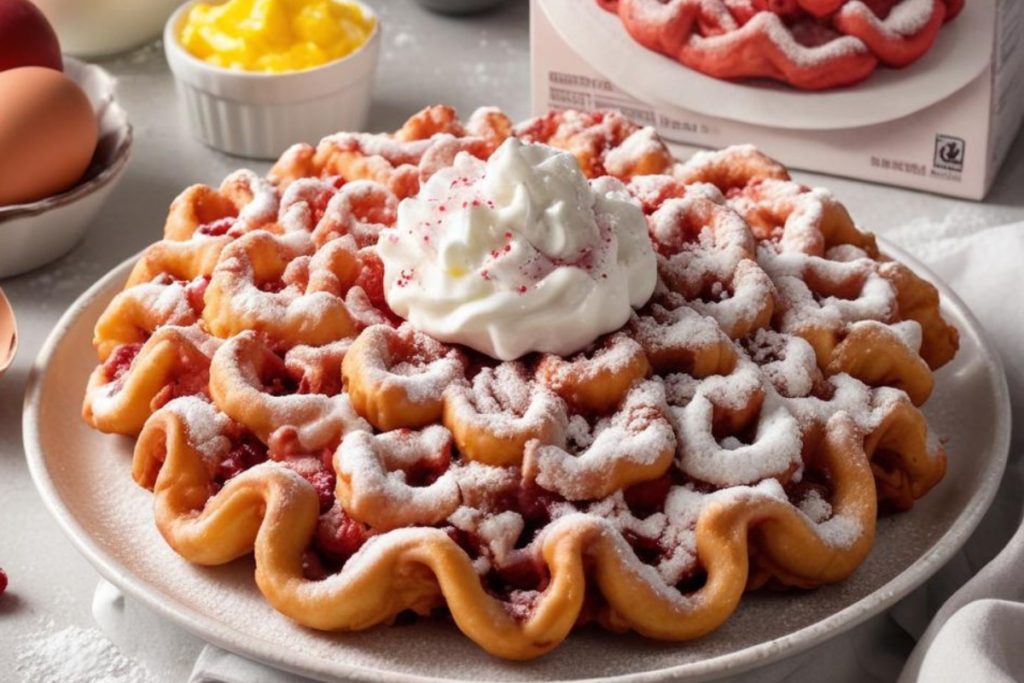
x: 925, y: 94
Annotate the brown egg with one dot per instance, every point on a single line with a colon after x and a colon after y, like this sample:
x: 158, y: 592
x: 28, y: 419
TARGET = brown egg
x: 48, y: 133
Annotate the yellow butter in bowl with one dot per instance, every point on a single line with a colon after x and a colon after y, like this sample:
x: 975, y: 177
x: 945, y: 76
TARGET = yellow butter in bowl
x: 275, y: 36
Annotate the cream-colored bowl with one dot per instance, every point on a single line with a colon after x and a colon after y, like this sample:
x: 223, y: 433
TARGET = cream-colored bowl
x: 93, y: 28
x: 260, y: 115
x: 36, y: 233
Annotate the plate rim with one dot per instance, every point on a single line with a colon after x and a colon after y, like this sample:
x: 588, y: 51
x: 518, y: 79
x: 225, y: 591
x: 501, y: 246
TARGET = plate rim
x: 204, y: 627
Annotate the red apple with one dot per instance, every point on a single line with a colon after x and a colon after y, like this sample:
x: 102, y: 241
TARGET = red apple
x: 26, y: 37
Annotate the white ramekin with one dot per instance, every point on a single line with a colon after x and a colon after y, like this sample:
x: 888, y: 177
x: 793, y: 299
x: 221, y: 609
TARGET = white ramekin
x: 260, y: 115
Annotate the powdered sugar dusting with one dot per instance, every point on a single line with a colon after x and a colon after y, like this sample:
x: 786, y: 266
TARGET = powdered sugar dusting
x: 76, y: 655
x: 788, y: 361
x: 907, y: 18
x: 782, y: 37
x: 815, y: 507
x: 644, y: 142
x: 377, y: 468
x: 421, y: 366
x: 262, y: 206
x: 206, y: 426
x: 776, y: 451
x: 637, y: 435
x: 505, y: 401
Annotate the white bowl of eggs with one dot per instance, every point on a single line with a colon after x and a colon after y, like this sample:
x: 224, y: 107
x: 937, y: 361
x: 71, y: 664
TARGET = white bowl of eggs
x: 64, y: 142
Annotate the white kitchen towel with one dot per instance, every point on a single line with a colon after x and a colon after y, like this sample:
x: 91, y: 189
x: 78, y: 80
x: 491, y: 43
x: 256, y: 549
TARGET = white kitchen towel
x: 976, y: 633
x: 220, y: 666
x: 963, y: 625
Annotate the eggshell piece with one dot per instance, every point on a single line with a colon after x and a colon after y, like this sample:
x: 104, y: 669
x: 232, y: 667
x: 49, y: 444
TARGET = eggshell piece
x: 48, y: 133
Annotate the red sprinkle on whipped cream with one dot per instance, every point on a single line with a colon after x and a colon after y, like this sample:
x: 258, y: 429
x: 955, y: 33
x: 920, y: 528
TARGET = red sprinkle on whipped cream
x: 519, y: 253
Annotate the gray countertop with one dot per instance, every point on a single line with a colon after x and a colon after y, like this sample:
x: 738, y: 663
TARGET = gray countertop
x: 426, y: 58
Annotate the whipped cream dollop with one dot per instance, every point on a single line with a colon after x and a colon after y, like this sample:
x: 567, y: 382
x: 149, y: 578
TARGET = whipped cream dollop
x: 519, y: 253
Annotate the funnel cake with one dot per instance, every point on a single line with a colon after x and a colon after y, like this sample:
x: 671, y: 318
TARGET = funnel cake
x: 809, y: 44
x: 744, y: 427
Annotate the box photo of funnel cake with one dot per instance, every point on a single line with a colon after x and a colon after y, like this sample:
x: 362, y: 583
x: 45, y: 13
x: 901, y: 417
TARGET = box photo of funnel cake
x: 923, y: 94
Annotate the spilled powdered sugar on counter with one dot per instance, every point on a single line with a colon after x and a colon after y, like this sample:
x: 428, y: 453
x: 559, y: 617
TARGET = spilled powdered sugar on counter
x: 75, y: 655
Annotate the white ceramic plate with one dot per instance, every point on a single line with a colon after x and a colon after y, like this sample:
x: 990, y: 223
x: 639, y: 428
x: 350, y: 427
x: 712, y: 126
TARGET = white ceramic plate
x: 953, y: 61
x: 85, y: 480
